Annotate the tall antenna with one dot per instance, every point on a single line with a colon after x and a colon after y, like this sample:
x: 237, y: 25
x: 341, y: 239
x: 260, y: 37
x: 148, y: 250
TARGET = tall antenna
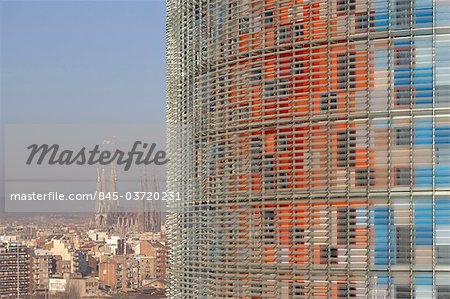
x: 156, y: 207
x: 113, y: 180
x: 106, y: 209
x: 145, y: 211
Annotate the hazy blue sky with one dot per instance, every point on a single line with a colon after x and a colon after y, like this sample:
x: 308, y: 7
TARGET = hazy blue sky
x: 82, y: 61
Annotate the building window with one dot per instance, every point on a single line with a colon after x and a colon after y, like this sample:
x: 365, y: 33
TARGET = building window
x: 443, y: 94
x: 298, y: 31
x: 403, y: 177
x: 362, y: 22
x: 403, y: 245
x: 345, y: 291
x: 403, y: 96
x: 403, y: 57
x: 362, y: 177
x: 234, y: 45
x: 443, y: 292
x: 403, y: 13
x: 346, y: 224
x: 256, y: 74
x: 328, y: 101
x: 402, y: 136
x: 284, y: 87
x: 345, y: 5
x: 270, y: 89
x: 297, y: 68
x: 443, y: 254
x: 283, y: 180
x: 342, y: 71
x: 346, y: 142
x: 283, y: 35
x: 299, y: 236
x: 403, y: 292
x: 268, y: 17
x: 328, y: 254
x: 283, y: 143
x: 244, y: 25
x: 269, y: 173
x: 346, y: 71
x: 269, y: 217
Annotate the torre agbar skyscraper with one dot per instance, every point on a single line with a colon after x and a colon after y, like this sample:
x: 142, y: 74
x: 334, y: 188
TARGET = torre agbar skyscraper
x: 310, y: 144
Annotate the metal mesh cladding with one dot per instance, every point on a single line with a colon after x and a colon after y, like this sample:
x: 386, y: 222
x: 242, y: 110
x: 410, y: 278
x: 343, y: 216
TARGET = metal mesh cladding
x: 310, y: 142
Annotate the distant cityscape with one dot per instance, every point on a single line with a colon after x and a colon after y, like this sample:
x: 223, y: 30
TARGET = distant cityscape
x: 95, y: 77
x: 107, y: 254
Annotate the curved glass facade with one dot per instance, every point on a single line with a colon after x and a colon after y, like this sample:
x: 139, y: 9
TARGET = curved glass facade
x: 310, y: 143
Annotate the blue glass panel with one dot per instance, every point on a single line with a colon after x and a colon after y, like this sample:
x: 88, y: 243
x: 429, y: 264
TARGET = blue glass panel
x: 423, y: 222
x: 423, y: 133
x: 424, y: 177
x: 383, y: 280
x: 443, y: 135
x: 443, y: 212
x: 443, y: 176
x: 381, y: 236
x: 424, y: 280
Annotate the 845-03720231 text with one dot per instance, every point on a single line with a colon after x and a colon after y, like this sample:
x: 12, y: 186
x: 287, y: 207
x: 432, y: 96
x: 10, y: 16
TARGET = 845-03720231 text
x: 139, y: 195
x: 130, y: 196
